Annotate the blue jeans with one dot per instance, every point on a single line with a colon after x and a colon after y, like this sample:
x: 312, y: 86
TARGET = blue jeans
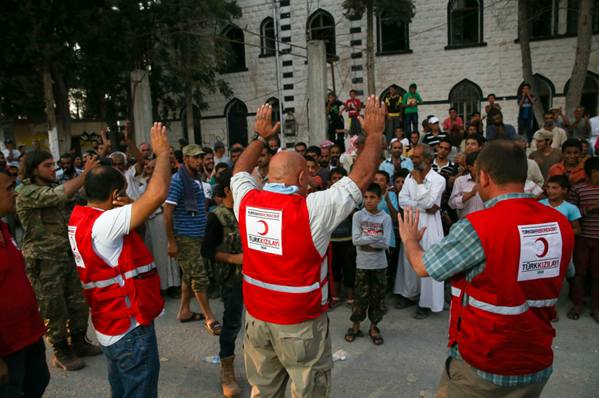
x: 410, y: 122
x: 233, y: 300
x: 133, y: 364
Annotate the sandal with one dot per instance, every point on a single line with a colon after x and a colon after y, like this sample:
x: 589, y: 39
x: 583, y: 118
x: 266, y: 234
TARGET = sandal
x: 214, y: 328
x: 194, y: 317
x: 377, y: 339
x: 351, y: 335
x: 573, y: 314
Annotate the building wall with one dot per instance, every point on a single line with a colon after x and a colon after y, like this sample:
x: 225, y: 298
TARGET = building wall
x: 495, y: 67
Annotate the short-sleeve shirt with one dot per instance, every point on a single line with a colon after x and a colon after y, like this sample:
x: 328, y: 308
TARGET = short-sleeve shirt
x: 186, y: 223
x: 432, y: 140
x: 107, y: 242
x: 571, y: 212
x: 353, y: 106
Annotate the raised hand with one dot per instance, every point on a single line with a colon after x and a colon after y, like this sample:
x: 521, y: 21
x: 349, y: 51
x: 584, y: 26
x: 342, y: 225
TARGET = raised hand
x: 408, y: 225
x: 91, y: 163
x: 159, y: 139
x: 263, y: 125
x: 373, y: 121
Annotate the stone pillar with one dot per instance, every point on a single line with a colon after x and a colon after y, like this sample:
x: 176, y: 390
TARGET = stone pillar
x: 142, y: 105
x: 317, y: 92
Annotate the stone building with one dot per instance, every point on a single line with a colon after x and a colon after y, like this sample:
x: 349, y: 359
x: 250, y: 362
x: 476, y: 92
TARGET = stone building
x: 457, y: 51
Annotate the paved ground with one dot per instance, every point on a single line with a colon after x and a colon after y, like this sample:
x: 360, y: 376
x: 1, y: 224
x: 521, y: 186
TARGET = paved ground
x: 407, y: 365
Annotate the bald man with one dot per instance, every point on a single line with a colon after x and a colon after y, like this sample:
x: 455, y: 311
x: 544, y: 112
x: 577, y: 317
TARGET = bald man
x: 285, y: 234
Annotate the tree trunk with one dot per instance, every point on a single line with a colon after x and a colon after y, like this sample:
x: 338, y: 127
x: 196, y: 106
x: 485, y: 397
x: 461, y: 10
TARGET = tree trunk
x: 527, y: 72
x: 63, y: 114
x: 189, y: 127
x: 583, y: 52
x: 50, y: 112
x: 370, y: 47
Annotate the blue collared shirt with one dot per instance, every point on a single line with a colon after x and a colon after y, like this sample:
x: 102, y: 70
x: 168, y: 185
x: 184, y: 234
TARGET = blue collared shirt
x: 462, y: 251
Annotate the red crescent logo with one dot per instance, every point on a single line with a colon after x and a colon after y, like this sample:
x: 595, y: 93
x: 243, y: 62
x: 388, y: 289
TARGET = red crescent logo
x: 545, y: 247
x: 265, y: 228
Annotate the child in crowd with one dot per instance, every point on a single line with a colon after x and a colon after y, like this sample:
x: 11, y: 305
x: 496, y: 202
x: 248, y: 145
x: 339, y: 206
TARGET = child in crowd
x: 557, y: 188
x: 371, y: 234
x: 398, y: 179
x: 344, y: 252
x: 316, y: 183
x: 353, y: 106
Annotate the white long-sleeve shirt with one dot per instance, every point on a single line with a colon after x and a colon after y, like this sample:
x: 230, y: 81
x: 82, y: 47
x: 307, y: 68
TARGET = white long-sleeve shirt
x: 461, y: 186
x: 423, y: 197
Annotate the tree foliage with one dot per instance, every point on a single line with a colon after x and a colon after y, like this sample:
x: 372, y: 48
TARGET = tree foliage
x: 93, y: 45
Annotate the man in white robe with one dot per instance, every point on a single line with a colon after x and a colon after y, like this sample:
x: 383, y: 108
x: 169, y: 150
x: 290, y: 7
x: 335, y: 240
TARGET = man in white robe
x: 422, y: 190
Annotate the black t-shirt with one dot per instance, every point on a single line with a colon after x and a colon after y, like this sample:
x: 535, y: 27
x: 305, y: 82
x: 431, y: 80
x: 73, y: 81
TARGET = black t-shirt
x: 334, y: 115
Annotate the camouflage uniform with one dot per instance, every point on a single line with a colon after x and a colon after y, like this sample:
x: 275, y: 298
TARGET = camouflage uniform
x: 229, y: 277
x: 50, y: 266
x: 369, y: 295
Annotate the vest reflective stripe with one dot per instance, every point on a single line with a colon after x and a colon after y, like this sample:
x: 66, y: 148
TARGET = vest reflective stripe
x: 456, y: 291
x: 281, y: 288
x: 511, y: 310
x: 119, y: 279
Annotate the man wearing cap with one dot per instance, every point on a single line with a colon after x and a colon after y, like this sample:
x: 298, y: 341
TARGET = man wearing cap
x: 545, y: 155
x: 436, y: 135
x: 185, y: 221
x: 219, y: 154
x: 558, y: 134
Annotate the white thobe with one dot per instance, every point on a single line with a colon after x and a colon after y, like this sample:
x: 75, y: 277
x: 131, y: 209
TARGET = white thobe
x: 422, y: 197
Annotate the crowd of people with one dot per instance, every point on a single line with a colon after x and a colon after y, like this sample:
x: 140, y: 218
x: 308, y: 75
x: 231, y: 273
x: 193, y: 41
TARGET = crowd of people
x: 390, y: 206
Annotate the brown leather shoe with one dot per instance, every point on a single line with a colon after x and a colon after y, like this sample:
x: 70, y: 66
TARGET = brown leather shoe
x: 64, y: 358
x: 227, y: 377
x: 83, y: 348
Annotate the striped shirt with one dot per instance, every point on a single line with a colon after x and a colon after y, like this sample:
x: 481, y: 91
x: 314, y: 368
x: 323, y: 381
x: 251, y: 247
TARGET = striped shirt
x: 584, y: 195
x: 432, y: 140
x: 449, y: 170
x: 462, y: 251
x: 188, y: 224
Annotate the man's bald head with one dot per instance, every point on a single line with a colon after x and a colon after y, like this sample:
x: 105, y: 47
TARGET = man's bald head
x: 287, y: 167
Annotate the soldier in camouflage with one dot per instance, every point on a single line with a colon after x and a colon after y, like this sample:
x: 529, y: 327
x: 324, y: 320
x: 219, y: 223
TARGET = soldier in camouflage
x: 41, y: 207
x: 223, y: 245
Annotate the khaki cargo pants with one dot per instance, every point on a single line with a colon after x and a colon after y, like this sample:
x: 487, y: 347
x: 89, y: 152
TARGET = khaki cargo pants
x: 274, y: 353
x: 460, y: 380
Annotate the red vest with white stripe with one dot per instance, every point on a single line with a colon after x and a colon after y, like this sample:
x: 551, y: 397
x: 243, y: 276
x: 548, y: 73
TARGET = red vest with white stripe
x: 284, y: 276
x: 501, y: 320
x: 106, y: 288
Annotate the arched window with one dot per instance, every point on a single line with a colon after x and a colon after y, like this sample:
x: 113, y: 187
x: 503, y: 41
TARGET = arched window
x: 236, y: 58
x: 545, y: 91
x: 276, y: 114
x: 590, y: 93
x: 267, y: 37
x: 321, y: 26
x: 237, y: 123
x: 392, y: 36
x: 464, y: 22
x: 466, y: 97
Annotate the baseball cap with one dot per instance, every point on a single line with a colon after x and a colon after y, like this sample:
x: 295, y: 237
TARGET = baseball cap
x: 433, y: 120
x: 192, y: 150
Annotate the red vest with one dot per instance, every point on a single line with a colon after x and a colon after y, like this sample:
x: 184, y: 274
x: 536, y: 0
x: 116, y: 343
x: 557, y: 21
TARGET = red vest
x: 501, y: 320
x: 284, y: 277
x: 107, y: 288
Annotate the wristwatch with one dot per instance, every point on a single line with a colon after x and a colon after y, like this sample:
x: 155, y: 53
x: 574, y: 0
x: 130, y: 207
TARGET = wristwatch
x: 263, y: 140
